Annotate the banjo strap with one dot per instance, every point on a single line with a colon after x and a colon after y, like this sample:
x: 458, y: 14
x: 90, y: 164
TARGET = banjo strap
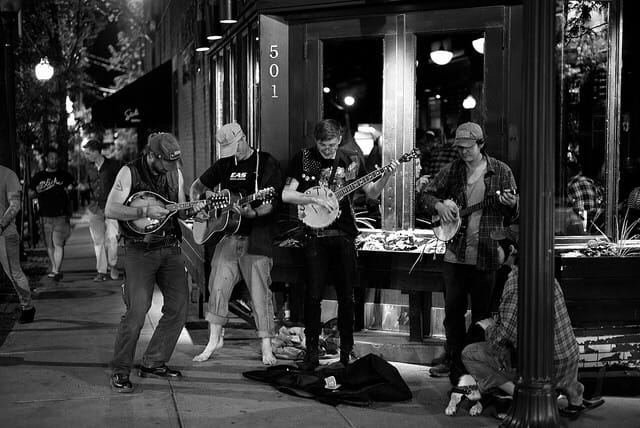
x: 333, y: 170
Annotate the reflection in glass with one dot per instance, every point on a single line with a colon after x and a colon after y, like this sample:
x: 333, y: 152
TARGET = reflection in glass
x: 352, y: 95
x: 583, y: 52
x: 446, y: 95
x: 629, y: 185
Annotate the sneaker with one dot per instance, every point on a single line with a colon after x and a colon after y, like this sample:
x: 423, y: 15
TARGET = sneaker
x: 441, y: 370
x: 57, y: 276
x: 51, y: 275
x: 114, y: 272
x: 120, y: 383
x: 27, y: 315
x: 100, y: 277
x: 349, y: 358
x: 162, y: 372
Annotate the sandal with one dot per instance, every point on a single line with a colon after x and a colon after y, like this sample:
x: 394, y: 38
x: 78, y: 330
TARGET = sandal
x: 572, y: 411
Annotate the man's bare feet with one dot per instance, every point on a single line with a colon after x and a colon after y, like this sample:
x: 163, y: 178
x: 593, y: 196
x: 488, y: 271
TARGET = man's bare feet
x: 216, y: 342
x: 268, y: 359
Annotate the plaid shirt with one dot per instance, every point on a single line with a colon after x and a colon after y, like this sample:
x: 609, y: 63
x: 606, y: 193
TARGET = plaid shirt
x: 437, y: 159
x: 584, y: 194
x: 450, y: 183
x: 566, y: 353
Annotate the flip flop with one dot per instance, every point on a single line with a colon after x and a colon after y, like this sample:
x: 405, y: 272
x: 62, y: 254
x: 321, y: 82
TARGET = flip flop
x: 572, y: 411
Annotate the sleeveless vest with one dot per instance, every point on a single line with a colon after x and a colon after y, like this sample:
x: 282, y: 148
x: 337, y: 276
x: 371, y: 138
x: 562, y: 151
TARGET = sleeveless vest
x: 166, y: 185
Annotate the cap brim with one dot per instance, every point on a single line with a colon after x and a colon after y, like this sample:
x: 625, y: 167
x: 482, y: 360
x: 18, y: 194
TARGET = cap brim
x: 227, y: 150
x: 464, y: 142
x: 171, y: 165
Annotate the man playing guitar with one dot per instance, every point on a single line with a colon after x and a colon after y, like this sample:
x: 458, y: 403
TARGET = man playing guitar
x: 247, y: 253
x: 471, y: 259
x: 330, y: 250
x: 150, y: 259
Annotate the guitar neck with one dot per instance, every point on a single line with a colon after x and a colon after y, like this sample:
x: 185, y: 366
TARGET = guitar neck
x: 180, y: 205
x: 356, y: 184
x: 242, y: 201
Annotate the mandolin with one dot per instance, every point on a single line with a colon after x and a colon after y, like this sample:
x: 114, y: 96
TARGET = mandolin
x: 145, y: 198
x: 317, y: 217
x: 223, y: 219
x: 446, y: 231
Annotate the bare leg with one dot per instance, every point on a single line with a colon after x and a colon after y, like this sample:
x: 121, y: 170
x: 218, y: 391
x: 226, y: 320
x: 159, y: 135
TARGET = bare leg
x: 268, y: 359
x: 216, y: 342
x: 51, y: 254
x: 58, y: 255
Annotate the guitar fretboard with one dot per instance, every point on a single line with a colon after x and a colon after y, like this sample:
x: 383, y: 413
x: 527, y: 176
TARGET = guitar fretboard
x: 244, y: 201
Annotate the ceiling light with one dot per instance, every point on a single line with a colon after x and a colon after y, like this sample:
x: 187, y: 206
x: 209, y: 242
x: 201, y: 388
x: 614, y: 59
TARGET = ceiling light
x: 228, y: 12
x: 440, y: 54
x: 213, y: 27
x: 469, y: 102
x: 349, y: 101
x: 44, y: 71
x: 478, y: 45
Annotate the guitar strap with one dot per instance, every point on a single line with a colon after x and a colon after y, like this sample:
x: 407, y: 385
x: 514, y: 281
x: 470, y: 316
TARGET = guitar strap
x: 334, y: 168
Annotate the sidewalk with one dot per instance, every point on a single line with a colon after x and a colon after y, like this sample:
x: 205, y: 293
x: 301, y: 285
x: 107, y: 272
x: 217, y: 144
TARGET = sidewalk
x: 55, y: 373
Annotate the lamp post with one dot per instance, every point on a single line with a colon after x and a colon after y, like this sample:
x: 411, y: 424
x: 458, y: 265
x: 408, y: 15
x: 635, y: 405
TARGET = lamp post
x: 44, y: 70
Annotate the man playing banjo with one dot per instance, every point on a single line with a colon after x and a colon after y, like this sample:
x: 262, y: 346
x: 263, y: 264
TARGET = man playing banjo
x: 150, y: 259
x: 471, y: 259
x: 330, y: 253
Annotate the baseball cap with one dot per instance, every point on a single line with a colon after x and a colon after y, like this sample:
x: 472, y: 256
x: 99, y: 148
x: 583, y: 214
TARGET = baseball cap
x: 94, y: 145
x: 468, y: 133
x: 511, y: 232
x: 166, y: 148
x: 227, y: 138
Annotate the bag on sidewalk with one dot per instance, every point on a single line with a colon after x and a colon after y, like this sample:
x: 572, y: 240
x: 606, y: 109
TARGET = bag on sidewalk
x: 362, y: 382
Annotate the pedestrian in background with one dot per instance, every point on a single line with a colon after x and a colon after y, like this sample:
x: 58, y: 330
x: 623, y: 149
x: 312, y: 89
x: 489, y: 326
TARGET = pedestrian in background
x: 101, y: 175
x: 51, y: 186
x: 10, y: 201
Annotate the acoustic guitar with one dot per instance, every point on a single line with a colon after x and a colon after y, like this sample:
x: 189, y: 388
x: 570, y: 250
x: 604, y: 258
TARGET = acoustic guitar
x: 317, y: 217
x: 146, y: 198
x: 447, y: 230
x: 223, y: 219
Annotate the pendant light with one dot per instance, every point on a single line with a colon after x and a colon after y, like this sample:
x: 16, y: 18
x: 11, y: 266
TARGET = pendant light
x: 478, y: 45
x: 441, y: 55
x: 201, y: 43
x: 228, y: 12
x: 213, y: 27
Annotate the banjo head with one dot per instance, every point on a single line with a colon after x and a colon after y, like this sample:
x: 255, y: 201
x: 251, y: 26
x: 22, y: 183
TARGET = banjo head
x: 315, y: 216
x: 445, y: 231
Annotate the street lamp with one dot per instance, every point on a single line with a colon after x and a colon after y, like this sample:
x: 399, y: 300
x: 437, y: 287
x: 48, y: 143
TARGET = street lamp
x: 44, y: 70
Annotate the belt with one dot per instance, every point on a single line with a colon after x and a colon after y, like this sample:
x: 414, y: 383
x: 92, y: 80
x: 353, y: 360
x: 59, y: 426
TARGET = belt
x: 325, y: 233
x: 170, y: 241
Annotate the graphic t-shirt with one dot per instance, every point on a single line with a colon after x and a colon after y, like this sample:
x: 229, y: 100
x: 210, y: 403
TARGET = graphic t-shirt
x: 50, y: 187
x: 310, y: 169
x: 238, y: 178
x: 9, y: 183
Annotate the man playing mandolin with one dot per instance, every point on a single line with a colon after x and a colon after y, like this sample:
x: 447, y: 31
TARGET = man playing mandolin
x: 313, y: 177
x: 150, y: 259
x: 245, y: 252
x: 475, y: 193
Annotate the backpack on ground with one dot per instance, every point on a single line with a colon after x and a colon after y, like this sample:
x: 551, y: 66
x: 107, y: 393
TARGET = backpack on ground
x: 366, y: 380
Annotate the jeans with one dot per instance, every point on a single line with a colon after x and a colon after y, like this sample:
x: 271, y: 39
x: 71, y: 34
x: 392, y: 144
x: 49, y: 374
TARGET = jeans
x: 459, y: 281
x: 487, y: 368
x: 229, y: 264
x: 104, y: 233
x: 10, y: 260
x: 144, y: 269
x: 330, y: 259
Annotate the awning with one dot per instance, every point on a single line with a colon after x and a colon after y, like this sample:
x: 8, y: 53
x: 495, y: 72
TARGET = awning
x: 144, y: 103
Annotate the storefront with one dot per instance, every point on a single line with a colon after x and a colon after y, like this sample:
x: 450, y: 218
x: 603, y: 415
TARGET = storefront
x: 285, y: 64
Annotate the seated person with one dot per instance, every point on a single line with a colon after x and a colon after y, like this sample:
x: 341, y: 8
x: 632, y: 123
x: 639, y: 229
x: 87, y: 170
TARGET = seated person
x: 490, y: 361
x: 584, y: 194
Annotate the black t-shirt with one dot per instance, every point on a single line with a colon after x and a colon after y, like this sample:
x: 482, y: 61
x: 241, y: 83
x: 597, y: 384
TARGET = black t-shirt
x: 238, y: 178
x: 310, y: 169
x: 50, y: 187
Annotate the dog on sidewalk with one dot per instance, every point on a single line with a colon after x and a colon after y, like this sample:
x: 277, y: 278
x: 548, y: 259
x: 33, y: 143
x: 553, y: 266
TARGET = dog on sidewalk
x: 467, y: 387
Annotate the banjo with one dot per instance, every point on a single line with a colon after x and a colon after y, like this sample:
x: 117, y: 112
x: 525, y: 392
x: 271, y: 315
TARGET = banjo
x: 145, y: 198
x: 317, y: 217
x: 445, y: 231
